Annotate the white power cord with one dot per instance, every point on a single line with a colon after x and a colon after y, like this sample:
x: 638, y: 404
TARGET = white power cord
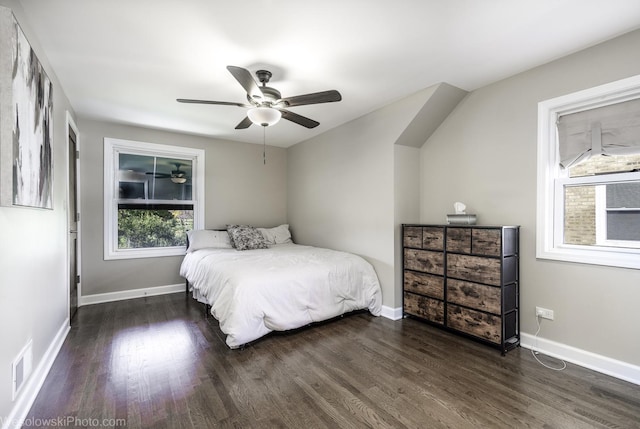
x: 535, y: 352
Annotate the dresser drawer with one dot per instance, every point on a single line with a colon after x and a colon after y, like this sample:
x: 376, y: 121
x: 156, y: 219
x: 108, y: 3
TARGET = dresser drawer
x: 424, y: 260
x: 425, y: 284
x: 487, y: 242
x: 426, y: 308
x: 474, y: 295
x: 459, y: 240
x: 474, y: 268
x: 433, y: 238
x: 473, y: 322
x: 412, y: 236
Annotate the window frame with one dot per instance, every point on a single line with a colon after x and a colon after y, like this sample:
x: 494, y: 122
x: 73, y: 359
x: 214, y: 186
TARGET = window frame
x: 551, y: 178
x: 112, y: 148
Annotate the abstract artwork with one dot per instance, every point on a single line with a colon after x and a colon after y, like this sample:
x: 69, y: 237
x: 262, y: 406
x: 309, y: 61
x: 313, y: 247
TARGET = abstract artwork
x: 28, y: 100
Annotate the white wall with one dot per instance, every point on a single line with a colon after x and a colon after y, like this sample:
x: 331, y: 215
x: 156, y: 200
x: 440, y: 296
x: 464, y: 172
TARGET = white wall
x: 239, y: 189
x: 33, y: 255
x: 485, y: 155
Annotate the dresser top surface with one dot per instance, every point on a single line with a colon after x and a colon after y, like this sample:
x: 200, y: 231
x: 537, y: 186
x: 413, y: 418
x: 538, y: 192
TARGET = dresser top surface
x: 458, y: 226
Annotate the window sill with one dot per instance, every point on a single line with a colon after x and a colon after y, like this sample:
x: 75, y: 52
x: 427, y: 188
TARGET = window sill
x: 627, y: 258
x: 146, y: 253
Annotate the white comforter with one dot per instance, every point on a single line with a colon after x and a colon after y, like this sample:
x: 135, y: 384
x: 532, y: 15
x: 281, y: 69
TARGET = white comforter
x: 254, y: 292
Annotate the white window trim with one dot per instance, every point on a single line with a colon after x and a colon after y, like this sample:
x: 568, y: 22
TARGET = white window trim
x: 111, y: 148
x: 549, y: 223
x: 601, y: 215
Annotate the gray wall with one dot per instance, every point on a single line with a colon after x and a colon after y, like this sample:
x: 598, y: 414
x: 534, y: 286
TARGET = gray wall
x: 340, y: 194
x: 406, y: 204
x: 341, y: 187
x: 239, y: 189
x: 485, y: 156
x: 33, y: 271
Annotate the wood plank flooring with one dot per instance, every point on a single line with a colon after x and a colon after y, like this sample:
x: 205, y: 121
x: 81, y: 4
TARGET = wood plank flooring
x: 158, y: 363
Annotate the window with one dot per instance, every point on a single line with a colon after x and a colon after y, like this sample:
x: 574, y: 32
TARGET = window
x: 153, y: 195
x: 589, y: 176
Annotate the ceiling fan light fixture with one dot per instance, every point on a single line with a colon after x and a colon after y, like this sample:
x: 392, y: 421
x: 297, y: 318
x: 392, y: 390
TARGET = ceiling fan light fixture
x: 265, y: 116
x: 179, y: 180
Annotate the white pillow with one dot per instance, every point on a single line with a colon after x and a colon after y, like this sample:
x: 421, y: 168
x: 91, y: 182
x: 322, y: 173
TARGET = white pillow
x: 203, y: 238
x: 278, y: 235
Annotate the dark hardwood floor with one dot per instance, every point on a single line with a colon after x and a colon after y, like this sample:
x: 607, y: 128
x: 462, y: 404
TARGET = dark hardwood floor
x: 158, y: 363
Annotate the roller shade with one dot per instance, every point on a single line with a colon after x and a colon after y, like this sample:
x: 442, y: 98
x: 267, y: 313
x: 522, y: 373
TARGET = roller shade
x: 608, y: 130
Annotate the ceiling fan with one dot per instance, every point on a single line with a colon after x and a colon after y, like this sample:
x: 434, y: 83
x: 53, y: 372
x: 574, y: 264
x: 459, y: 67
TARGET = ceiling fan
x: 177, y: 176
x: 266, y: 105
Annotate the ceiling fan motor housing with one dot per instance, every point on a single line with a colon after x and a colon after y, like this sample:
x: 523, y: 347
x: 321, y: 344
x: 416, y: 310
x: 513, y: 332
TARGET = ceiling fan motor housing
x: 270, y: 95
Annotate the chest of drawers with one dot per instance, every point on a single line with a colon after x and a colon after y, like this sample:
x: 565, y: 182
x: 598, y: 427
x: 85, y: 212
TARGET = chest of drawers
x: 464, y: 279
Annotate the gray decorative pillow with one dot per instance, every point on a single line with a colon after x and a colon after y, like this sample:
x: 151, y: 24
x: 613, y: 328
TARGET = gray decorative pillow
x: 244, y: 237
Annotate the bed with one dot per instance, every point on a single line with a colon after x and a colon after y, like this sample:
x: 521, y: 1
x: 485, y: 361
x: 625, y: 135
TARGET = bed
x: 273, y: 284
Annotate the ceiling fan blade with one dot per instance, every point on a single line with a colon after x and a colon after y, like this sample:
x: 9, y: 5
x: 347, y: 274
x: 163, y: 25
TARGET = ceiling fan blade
x: 315, y: 98
x: 298, y: 119
x: 243, y: 76
x: 245, y: 123
x: 223, y: 103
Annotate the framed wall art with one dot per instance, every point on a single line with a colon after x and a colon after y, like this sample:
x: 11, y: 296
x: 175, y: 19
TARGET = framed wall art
x: 26, y: 121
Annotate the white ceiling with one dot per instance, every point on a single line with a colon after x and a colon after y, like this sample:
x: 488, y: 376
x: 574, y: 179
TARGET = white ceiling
x: 127, y: 61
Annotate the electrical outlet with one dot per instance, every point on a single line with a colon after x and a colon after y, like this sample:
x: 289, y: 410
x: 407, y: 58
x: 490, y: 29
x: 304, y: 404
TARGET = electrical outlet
x: 545, y: 313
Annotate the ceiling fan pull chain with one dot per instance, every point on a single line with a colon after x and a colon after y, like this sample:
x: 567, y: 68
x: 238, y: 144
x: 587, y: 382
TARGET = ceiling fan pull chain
x: 264, y: 145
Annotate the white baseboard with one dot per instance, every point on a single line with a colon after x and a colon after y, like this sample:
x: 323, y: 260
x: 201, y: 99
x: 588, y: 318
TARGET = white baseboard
x: 606, y: 365
x: 391, y: 313
x: 130, y: 294
x: 32, y: 387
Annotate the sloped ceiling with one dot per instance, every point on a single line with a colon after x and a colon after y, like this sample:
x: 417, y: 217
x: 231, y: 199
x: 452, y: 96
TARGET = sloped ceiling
x: 442, y: 100
x: 127, y: 61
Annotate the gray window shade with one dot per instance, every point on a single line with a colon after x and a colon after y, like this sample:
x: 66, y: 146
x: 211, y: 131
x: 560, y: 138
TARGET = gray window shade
x: 608, y: 130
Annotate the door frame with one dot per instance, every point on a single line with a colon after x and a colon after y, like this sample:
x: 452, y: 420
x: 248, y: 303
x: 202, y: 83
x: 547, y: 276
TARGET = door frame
x: 70, y: 123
